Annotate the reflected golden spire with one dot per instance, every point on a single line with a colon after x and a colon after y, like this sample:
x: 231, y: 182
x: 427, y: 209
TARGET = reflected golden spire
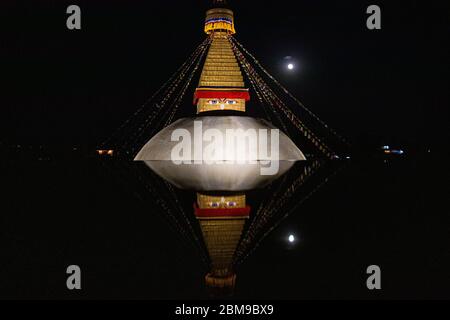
x: 222, y: 218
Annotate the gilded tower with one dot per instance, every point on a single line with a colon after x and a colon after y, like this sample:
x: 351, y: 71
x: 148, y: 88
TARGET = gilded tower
x: 221, y: 85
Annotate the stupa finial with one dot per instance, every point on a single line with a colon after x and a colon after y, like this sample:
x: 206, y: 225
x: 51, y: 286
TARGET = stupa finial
x: 219, y: 18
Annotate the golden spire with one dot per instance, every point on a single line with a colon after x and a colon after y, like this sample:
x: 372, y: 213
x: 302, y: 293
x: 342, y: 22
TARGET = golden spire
x: 221, y: 85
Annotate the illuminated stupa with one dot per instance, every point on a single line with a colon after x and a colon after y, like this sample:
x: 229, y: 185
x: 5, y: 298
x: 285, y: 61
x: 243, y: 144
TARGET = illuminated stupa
x: 221, y: 178
x: 221, y: 100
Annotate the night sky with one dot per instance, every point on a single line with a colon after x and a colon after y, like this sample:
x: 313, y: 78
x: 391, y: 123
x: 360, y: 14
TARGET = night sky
x: 67, y: 88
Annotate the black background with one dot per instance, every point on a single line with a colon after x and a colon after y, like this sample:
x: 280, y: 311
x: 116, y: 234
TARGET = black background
x: 63, y: 88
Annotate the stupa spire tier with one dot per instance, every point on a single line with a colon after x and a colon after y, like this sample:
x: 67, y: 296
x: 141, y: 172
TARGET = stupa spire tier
x: 221, y: 85
x: 221, y: 68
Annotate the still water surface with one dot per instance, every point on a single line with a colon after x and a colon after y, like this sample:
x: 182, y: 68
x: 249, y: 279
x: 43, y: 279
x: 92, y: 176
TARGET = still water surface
x: 102, y: 216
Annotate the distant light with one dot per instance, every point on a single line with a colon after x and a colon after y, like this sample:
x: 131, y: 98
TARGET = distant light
x: 291, y: 238
x: 385, y: 147
x: 290, y: 66
x: 394, y: 151
x: 347, y: 157
x: 102, y: 152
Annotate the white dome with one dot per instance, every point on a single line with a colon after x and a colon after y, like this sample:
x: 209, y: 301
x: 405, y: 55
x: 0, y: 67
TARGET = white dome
x: 160, y: 146
x: 226, y: 175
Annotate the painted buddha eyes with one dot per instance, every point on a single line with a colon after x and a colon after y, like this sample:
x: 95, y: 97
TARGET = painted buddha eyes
x: 218, y: 204
x: 225, y: 101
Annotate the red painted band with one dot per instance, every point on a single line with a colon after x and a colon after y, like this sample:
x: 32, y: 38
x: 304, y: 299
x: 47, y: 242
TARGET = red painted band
x: 213, y: 94
x: 221, y: 212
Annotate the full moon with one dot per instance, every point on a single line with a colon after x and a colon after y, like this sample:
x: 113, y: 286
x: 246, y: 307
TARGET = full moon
x: 291, y: 238
x: 290, y: 66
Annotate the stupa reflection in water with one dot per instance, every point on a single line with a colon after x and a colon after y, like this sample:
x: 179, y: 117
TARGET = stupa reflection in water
x: 248, y: 160
x: 221, y: 223
x: 220, y: 207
